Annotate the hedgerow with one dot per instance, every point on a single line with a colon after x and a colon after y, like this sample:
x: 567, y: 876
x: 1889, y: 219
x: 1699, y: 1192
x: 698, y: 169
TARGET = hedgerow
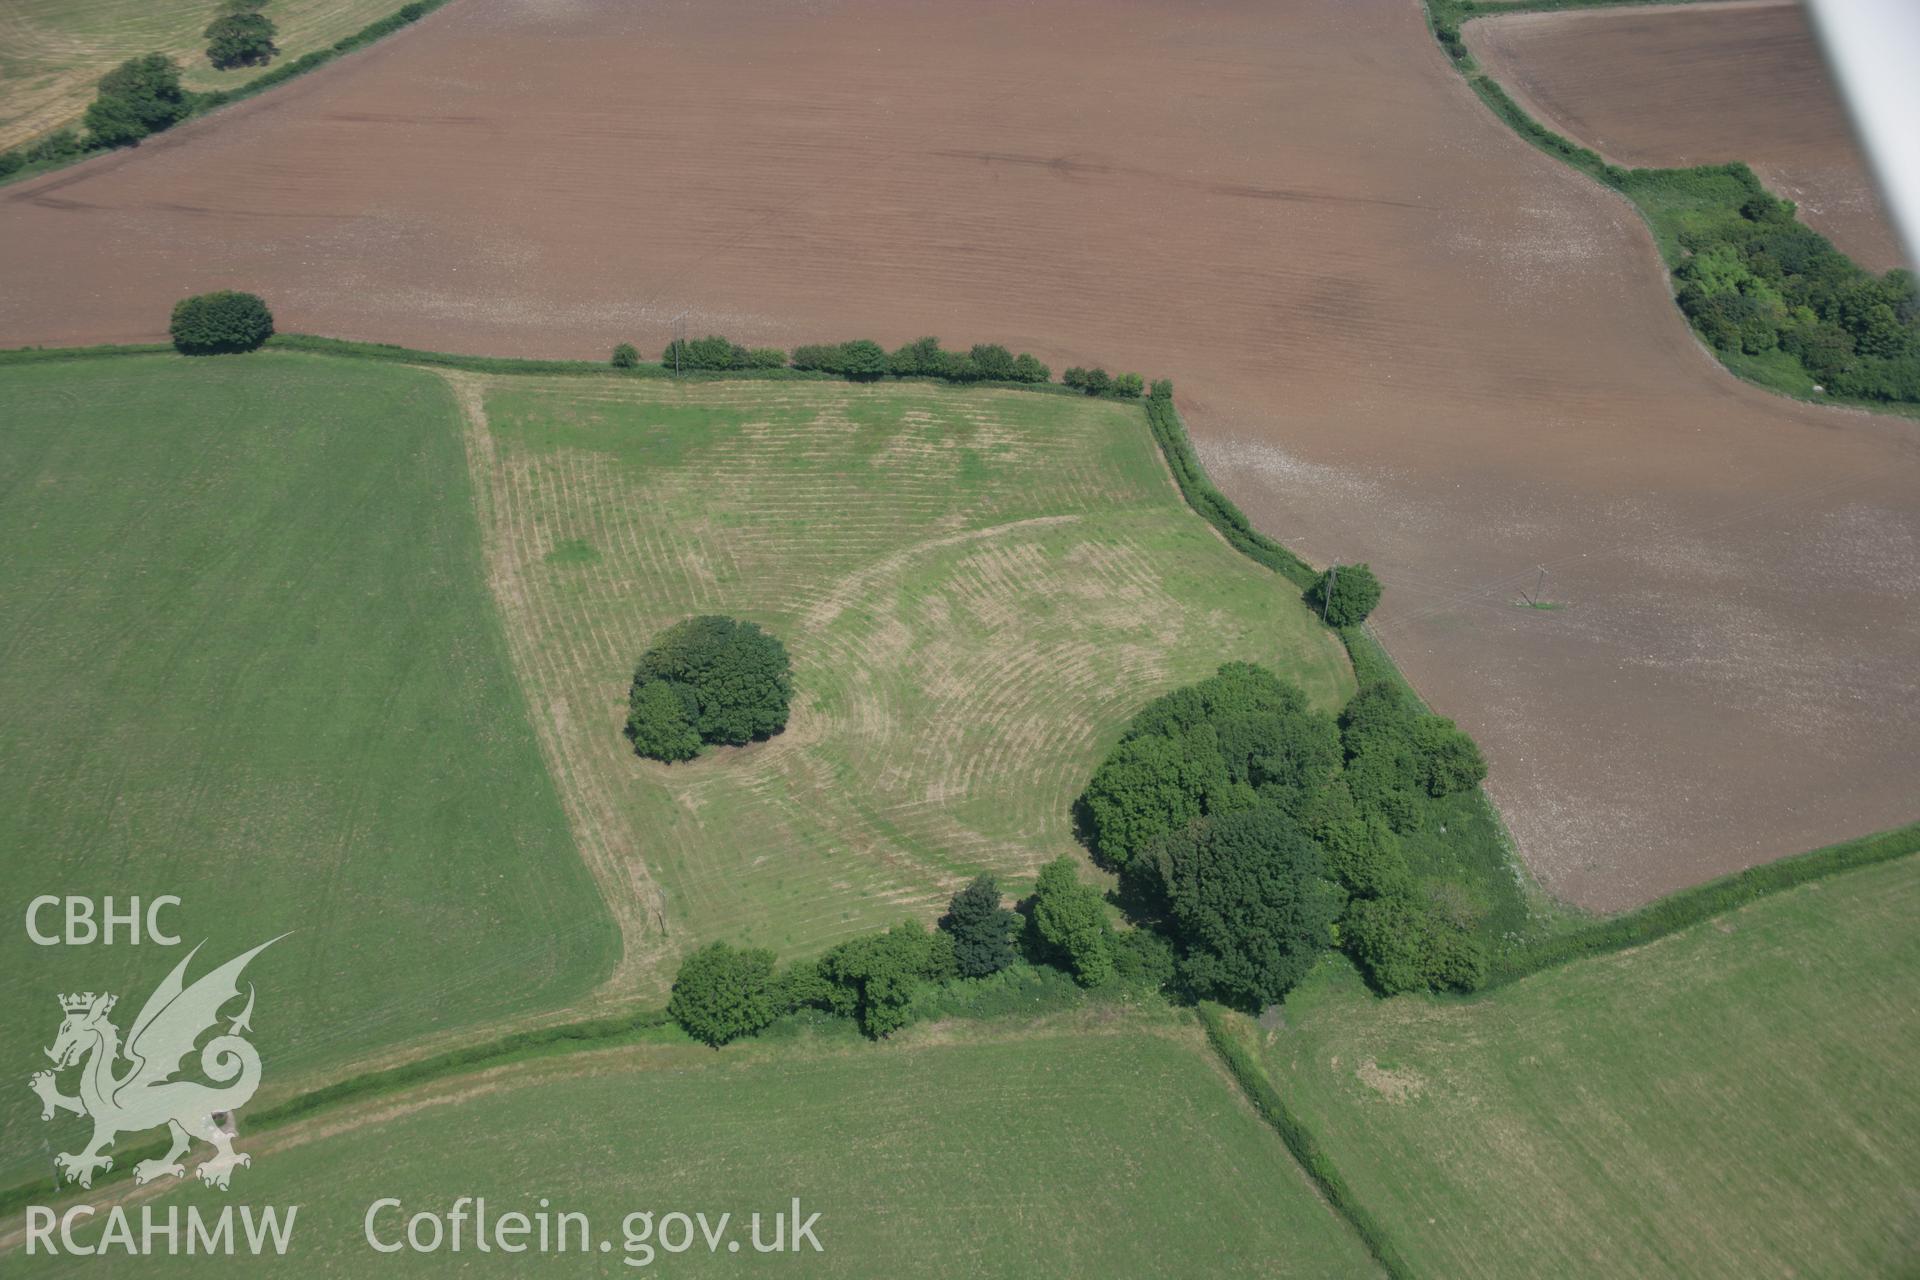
x: 1300, y: 1141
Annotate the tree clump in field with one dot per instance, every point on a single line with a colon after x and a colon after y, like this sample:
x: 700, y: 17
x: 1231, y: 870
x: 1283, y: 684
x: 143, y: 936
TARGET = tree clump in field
x: 1266, y: 832
x: 708, y: 680
x: 1345, y: 594
x: 219, y: 323
x: 983, y: 931
x: 874, y: 978
x: 626, y: 356
x: 1758, y: 283
x: 722, y: 994
x: 241, y: 36
x: 141, y: 96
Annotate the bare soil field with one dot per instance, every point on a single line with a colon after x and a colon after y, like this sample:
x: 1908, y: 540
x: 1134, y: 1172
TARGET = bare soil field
x: 1399, y: 333
x: 1699, y: 84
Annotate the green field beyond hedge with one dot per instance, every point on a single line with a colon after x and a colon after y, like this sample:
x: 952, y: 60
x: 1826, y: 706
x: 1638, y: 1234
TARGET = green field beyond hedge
x: 251, y: 660
x: 1079, y: 1151
x: 1733, y: 1100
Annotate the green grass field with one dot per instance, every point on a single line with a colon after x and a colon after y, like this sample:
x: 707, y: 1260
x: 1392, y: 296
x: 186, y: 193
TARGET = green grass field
x: 1066, y: 1149
x: 1734, y: 1100
x: 251, y: 659
x: 53, y: 52
x: 977, y: 588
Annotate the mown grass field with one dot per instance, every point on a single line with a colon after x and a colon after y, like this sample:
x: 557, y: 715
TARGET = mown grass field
x: 1067, y: 1149
x: 250, y: 659
x: 1735, y: 1100
x: 53, y: 52
x: 977, y: 589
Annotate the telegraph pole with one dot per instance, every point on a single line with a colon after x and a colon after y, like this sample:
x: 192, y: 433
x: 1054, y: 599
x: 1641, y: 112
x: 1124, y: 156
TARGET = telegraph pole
x: 679, y: 340
x: 1333, y: 580
x: 1538, y: 585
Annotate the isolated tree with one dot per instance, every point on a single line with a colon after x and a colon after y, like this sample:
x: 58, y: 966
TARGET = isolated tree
x: 864, y: 361
x: 626, y: 356
x: 140, y: 96
x: 215, y: 323
x: 982, y: 929
x: 1252, y: 900
x: 241, y: 36
x: 731, y: 679
x: 1345, y: 594
x: 1072, y: 920
x: 722, y: 994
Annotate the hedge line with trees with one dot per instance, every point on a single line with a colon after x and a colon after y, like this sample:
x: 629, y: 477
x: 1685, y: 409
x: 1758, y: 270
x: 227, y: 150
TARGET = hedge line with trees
x: 1259, y: 833
x: 140, y: 102
x: 708, y: 679
x: 881, y: 980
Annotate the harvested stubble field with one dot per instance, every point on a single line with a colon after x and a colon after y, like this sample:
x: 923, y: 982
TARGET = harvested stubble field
x: 977, y: 588
x: 53, y: 52
x: 1663, y: 87
x: 996, y: 1150
x: 250, y: 660
x: 1734, y: 1100
x: 1400, y: 334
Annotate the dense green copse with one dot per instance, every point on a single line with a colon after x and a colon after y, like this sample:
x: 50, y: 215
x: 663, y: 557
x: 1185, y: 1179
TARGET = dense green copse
x: 1256, y: 821
x: 626, y: 356
x: 722, y: 994
x: 1207, y: 748
x: 708, y: 679
x: 1772, y: 296
x: 1756, y: 281
x: 140, y: 96
x: 1252, y: 899
x: 221, y: 322
x: 875, y: 978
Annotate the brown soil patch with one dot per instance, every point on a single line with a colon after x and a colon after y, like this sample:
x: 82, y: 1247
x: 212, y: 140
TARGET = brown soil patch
x: 1400, y: 334
x: 1699, y: 84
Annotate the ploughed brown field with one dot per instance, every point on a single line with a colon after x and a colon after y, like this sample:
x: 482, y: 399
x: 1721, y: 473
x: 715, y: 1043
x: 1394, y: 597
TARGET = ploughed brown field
x: 1399, y: 333
x: 1699, y: 84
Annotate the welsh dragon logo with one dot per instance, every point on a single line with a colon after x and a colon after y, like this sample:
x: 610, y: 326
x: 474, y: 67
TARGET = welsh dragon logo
x: 145, y: 1094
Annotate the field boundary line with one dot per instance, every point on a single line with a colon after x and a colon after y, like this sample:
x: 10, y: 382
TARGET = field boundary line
x: 626, y: 884
x: 1299, y: 1140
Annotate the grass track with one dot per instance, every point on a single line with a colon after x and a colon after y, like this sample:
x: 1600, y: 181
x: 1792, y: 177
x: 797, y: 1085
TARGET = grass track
x: 1734, y: 1100
x: 978, y: 589
x: 250, y: 659
x: 956, y: 1152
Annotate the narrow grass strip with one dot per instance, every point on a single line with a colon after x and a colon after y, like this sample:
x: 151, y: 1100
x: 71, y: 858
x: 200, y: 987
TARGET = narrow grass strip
x: 1299, y: 1140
